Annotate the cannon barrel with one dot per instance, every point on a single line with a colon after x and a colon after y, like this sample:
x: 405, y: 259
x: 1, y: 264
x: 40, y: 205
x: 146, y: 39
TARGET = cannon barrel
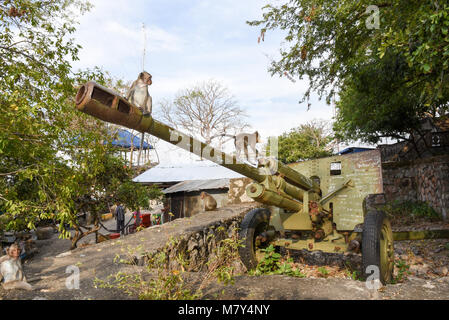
x: 106, y: 105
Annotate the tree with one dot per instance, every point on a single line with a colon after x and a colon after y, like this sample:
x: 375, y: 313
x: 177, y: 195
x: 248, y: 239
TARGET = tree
x: 136, y: 196
x: 335, y: 43
x: 36, y: 89
x: 308, y: 141
x: 100, y: 176
x: 374, y: 103
x: 52, y: 157
x: 207, y: 110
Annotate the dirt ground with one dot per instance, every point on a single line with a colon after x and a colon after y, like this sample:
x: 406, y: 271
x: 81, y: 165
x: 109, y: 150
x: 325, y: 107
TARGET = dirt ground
x: 421, y: 272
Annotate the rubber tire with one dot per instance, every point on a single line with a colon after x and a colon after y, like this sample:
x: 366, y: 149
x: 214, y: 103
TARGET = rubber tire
x: 372, y: 227
x: 253, y: 220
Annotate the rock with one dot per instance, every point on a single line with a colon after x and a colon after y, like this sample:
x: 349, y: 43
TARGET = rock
x: 194, y: 260
x: 428, y: 285
x: 438, y: 250
x: 418, y: 259
x: 64, y: 254
x: 191, y: 245
x: 239, y: 267
x: 442, y: 271
x: 419, y: 269
x: 44, y: 233
x: 318, y: 258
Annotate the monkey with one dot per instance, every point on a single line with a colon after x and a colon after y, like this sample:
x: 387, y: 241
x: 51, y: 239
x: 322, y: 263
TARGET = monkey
x: 11, y: 270
x: 139, y: 96
x: 209, y: 203
x: 138, y: 93
x: 242, y: 141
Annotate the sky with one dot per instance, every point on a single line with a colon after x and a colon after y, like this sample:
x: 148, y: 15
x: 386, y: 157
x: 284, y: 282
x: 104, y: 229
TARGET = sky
x: 188, y: 42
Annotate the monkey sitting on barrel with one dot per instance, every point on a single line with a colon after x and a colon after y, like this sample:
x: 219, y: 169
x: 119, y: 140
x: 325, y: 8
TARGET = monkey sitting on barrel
x: 138, y: 93
x: 139, y: 96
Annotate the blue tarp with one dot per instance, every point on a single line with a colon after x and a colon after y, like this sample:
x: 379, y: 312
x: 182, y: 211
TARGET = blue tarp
x: 124, y: 139
x: 354, y: 150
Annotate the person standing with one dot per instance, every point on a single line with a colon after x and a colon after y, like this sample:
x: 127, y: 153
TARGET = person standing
x: 138, y: 218
x: 120, y: 218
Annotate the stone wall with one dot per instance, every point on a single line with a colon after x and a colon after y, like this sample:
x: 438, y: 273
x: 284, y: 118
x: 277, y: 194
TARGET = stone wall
x: 199, y: 244
x: 237, y: 191
x: 420, y: 180
x: 194, y: 205
x: 199, y: 248
x: 195, y: 239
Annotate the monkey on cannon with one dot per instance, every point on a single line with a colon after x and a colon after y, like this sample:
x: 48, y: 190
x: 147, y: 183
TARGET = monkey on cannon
x: 138, y: 95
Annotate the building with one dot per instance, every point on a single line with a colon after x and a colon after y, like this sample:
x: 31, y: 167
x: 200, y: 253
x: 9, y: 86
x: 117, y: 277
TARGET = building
x: 184, y: 197
x: 183, y: 184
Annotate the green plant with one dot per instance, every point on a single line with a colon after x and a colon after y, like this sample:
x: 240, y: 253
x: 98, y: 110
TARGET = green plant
x: 410, y: 210
x: 447, y: 246
x: 403, y: 271
x: 271, y: 264
x: 167, y: 283
x: 323, y: 272
x: 225, y: 255
x: 164, y: 284
x: 354, y: 275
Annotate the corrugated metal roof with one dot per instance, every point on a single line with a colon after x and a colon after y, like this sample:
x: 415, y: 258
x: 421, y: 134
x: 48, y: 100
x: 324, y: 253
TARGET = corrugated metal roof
x: 198, y: 185
x: 204, y: 170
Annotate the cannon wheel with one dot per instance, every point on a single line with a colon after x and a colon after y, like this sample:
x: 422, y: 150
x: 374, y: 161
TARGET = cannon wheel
x: 254, y: 224
x: 377, y: 245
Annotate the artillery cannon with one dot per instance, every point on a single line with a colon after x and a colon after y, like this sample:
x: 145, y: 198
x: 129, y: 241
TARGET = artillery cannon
x: 321, y: 208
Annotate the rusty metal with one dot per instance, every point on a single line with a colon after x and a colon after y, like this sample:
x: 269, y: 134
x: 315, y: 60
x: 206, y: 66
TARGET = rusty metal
x: 319, y: 235
x: 346, y: 234
x: 354, y: 245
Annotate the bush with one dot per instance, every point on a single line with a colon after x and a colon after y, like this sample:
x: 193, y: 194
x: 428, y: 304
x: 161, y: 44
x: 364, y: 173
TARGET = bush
x: 411, y: 210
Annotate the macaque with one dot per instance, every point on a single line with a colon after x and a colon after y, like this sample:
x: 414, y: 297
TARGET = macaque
x: 11, y: 270
x: 139, y: 96
x: 138, y: 93
x: 209, y: 203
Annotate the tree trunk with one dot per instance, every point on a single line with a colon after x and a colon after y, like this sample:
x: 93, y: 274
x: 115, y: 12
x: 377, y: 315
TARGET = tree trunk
x: 79, y: 234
